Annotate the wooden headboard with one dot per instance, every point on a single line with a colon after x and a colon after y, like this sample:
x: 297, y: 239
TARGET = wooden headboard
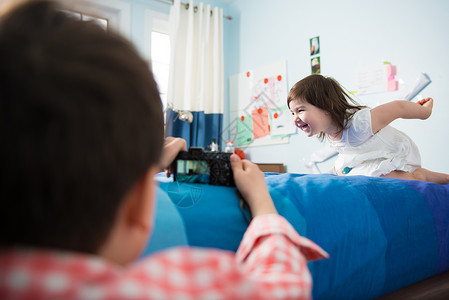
x: 276, y: 168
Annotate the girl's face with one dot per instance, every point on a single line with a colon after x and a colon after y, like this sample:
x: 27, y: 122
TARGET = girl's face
x: 311, y: 119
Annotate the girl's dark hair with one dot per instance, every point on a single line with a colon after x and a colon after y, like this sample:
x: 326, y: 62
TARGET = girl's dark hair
x: 80, y: 123
x: 325, y: 93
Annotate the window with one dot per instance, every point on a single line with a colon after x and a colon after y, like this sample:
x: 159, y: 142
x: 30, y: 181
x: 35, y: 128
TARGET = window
x: 160, y: 61
x: 157, y: 49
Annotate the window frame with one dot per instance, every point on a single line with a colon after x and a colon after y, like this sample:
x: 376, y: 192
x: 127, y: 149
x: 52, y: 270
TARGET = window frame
x: 118, y: 13
x: 155, y: 22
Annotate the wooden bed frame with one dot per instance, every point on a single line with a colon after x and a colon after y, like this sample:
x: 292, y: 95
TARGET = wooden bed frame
x: 276, y: 168
x: 432, y: 288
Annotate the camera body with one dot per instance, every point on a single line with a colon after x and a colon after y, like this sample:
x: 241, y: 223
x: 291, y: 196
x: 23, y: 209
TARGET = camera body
x: 199, y: 166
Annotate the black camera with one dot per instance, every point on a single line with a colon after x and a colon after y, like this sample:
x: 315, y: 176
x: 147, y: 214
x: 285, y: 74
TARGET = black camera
x: 199, y: 166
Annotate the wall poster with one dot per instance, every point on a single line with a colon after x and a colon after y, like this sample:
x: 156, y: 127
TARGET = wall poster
x: 259, y: 111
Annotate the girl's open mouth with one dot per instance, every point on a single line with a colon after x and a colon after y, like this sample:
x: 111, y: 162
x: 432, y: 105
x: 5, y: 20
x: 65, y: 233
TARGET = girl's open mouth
x: 302, y: 126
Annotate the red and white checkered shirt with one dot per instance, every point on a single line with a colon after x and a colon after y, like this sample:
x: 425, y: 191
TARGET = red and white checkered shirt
x: 271, y: 263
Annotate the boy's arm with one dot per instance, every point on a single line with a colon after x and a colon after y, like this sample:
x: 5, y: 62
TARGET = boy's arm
x: 272, y: 253
x: 271, y: 263
x: 384, y: 114
x: 250, y: 181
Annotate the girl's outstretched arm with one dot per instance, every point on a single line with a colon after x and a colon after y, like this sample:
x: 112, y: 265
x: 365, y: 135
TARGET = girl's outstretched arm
x: 384, y: 114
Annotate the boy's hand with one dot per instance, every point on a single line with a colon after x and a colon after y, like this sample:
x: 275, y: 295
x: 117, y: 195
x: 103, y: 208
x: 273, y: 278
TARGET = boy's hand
x: 250, y: 181
x: 172, y: 146
x: 427, y: 105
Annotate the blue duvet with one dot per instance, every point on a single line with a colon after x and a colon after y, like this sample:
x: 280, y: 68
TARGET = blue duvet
x: 382, y: 234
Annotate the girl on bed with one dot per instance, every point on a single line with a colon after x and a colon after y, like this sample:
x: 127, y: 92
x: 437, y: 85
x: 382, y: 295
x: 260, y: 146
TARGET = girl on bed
x: 366, y: 144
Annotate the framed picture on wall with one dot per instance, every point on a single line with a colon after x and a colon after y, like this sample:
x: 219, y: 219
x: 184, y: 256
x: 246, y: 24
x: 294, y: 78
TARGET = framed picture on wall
x: 315, y: 65
x: 315, y: 45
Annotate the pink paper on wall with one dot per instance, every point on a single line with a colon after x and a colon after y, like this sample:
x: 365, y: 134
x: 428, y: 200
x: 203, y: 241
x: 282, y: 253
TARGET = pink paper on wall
x: 261, y: 125
x: 391, y: 70
x: 392, y: 85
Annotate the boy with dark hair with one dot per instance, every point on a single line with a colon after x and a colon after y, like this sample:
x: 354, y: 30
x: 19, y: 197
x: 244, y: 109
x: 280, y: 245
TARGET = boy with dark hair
x: 81, y: 133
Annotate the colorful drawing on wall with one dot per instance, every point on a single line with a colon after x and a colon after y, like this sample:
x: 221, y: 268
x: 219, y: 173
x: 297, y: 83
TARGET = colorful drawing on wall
x: 261, y: 127
x: 315, y: 65
x: 260, y: 96
x: 315, y: 45
x: 244, y: 130
x: 280, y: 121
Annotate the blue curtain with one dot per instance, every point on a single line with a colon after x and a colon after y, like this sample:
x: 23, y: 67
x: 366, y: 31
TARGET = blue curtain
x: 199, y: 133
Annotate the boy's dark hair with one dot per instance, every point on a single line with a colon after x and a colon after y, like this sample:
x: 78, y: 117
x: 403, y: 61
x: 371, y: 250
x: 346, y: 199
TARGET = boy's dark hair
x: 325, y: 93
x: 80, y: 122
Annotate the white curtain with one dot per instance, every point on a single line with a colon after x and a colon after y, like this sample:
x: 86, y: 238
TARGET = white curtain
x: 196, y: 66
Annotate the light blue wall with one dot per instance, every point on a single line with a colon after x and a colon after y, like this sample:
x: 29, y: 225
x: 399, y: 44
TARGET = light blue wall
x: 411, y: 34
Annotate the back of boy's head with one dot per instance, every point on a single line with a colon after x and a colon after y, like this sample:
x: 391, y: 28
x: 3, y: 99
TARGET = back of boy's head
x: 327, y: 94
x: 80, y: 123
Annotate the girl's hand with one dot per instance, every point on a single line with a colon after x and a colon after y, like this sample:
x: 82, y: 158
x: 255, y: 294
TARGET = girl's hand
x: 426, y: 104
x: 424, y: 101
x: 250, y: 181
